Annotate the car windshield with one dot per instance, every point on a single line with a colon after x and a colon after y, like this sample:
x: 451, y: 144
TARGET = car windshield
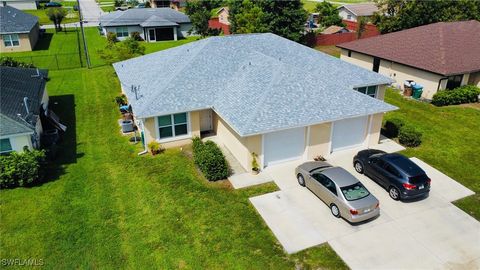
x: 355, y: 192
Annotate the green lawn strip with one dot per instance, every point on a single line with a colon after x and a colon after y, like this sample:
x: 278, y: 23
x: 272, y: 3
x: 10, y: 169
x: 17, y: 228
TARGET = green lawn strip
x: 43, y: 18
x: 450, y: 143
x: 329, y: 49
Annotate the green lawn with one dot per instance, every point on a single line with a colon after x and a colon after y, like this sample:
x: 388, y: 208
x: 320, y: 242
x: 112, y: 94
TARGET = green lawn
x: 451, y: 142
x: 329, y: 49
x: 43, y: 18
x: 106, y: 207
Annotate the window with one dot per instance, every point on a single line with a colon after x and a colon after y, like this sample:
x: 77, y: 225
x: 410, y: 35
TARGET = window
x: 377, y: 161
x: 376, y: 64
x: 368, y: 90
x: 5, y: 146
x: 391, y: 170
x: 172, y: 125
x: 122, y: 31
x: 454, y: 81
x: 11, y: 40
x: 349, y: 53
x: 349, y: 17
x: 326, y: 182
x: 355, y: 192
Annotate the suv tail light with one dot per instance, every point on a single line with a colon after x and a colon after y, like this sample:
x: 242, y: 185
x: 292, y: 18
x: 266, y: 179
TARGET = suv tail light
x: 353, y: 212
x: 409, y: 186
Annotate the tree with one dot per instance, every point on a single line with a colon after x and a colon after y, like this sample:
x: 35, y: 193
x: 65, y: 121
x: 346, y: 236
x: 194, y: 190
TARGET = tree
x: 285, y: 18
x: 328, y: 14
x: 119, y: 51
x: 361, y: 24
x: 396, y: 15
x: 56, y: 15
x: 247, y: 17
x: 200, y: 12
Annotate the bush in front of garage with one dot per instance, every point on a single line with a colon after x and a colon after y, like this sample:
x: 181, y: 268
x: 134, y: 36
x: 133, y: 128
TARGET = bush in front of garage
x: 459, y: 95
x: 392, y: 127
x: 210, y: 159
x: 409, y: 136
x: 22, y: 169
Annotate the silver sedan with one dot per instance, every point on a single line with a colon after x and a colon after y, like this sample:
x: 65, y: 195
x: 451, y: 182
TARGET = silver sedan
x: 341, y: 191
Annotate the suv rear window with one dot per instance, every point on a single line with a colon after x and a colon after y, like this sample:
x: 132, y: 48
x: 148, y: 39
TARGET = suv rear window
x: 419, y: 179
x: 355, y: 192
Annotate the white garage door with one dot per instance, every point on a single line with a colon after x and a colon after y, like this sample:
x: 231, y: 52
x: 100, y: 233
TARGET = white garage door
x: 349, y: 133
x: 283, y: 145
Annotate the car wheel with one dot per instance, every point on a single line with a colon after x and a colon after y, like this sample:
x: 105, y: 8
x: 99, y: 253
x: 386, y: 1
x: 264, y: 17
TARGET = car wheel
x: 394, y: 193
x: 358, y: 167
x: 335, y: 210
x: 301, y: 180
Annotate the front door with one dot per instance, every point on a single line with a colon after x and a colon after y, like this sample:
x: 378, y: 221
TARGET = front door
x: 206, y: 120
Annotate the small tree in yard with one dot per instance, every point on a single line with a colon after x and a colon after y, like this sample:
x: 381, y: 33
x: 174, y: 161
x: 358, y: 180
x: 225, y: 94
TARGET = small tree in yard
x: 361, y: 24
x: 328, y: 15
x: 120, y: 51
x: 56, y: 15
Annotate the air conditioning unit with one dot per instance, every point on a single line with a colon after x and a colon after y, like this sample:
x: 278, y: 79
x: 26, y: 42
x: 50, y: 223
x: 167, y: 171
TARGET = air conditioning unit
x: 127, y: 126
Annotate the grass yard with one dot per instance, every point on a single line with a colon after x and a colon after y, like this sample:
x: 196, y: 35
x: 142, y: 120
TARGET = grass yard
x: 43, y: 18
x: 451, y: 142
x: 106, y: 207
x: 329, y: 49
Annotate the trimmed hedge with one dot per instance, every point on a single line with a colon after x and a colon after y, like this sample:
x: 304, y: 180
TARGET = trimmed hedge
x: 409, y: 136
x: 392, y: 127
x: 460, y: 95
x: 21, y: 169
x: 210, y: 159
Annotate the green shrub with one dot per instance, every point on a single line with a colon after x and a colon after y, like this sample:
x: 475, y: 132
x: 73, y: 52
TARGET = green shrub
x: 155, y: 147
x: 11, y: 62
x: 409, y: 136
x: 460, y: 95
x: 21, y: 169
x: 136, y: 36
x: 392, y: 127
x: 210, y: 159
x: 111, y: 37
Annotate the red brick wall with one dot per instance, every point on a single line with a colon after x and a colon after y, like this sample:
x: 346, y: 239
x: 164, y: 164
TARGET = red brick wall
x: 214, y: 23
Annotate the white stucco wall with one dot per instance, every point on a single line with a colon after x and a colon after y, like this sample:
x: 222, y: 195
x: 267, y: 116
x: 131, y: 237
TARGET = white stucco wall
x: 343, y: 12
x: 22, y: 5
x: 131, y: 29
x: 183, y: 30
x: 19, y: 141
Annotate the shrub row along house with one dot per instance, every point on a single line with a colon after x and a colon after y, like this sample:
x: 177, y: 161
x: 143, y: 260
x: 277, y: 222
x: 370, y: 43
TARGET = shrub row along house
x: 439, y: 56
x: 19, y: 31
x: 152, y: 24
x: 258, y: 93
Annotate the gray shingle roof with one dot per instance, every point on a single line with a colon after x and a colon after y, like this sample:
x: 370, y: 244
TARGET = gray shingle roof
x: 157, y: 21
x: 257, y: 83
x: 13, y: 20
x: 15, y: 84
x: 364, y: 9
x: 138, y: 16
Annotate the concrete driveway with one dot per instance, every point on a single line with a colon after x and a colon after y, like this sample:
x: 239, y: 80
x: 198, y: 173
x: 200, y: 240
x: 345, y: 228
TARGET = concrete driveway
x: 425, y: 234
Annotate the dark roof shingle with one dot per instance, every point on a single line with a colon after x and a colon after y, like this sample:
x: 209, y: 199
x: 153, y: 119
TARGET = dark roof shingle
x: 15, y: 85
x: 13, y: 20
x: 445, y: 48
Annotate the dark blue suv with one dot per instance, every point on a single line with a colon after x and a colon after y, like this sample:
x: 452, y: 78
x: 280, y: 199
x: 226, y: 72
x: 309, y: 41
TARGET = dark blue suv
x: 402, y: 178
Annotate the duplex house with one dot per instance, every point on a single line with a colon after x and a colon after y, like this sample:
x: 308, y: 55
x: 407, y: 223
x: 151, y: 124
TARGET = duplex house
x: 153, y: 24
x: 258, y: 93
x: 19, y: 31
x: 23, y: 98
x: 439, y: 56
x: 353, y: 12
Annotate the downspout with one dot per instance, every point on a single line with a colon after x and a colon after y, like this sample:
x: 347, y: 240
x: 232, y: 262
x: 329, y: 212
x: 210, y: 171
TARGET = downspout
x: 145, y: 149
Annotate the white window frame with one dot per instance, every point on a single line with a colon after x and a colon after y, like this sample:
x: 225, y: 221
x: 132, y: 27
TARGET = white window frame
x: 9, y: 38
x: 366, y: 90
x: 121, y: 31
x: 11, y: 147
x: 174, y: 137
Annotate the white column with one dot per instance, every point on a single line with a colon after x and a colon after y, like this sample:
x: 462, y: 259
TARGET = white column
x: 175, y: 29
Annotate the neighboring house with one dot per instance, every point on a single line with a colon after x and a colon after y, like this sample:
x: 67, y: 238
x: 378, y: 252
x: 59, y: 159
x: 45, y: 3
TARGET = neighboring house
x: 19, y: 31
x: 439, y: 56
x: 153, y: 24
x: 23, y: 98
x: 334, y: 29
x: 258, y: 93
x: 20, y: 4
x: 223, y: 15
x: 354, y: 11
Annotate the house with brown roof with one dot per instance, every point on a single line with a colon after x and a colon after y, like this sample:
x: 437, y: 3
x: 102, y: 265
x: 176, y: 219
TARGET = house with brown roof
x: 438, y: 56
x: 354, y: 11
